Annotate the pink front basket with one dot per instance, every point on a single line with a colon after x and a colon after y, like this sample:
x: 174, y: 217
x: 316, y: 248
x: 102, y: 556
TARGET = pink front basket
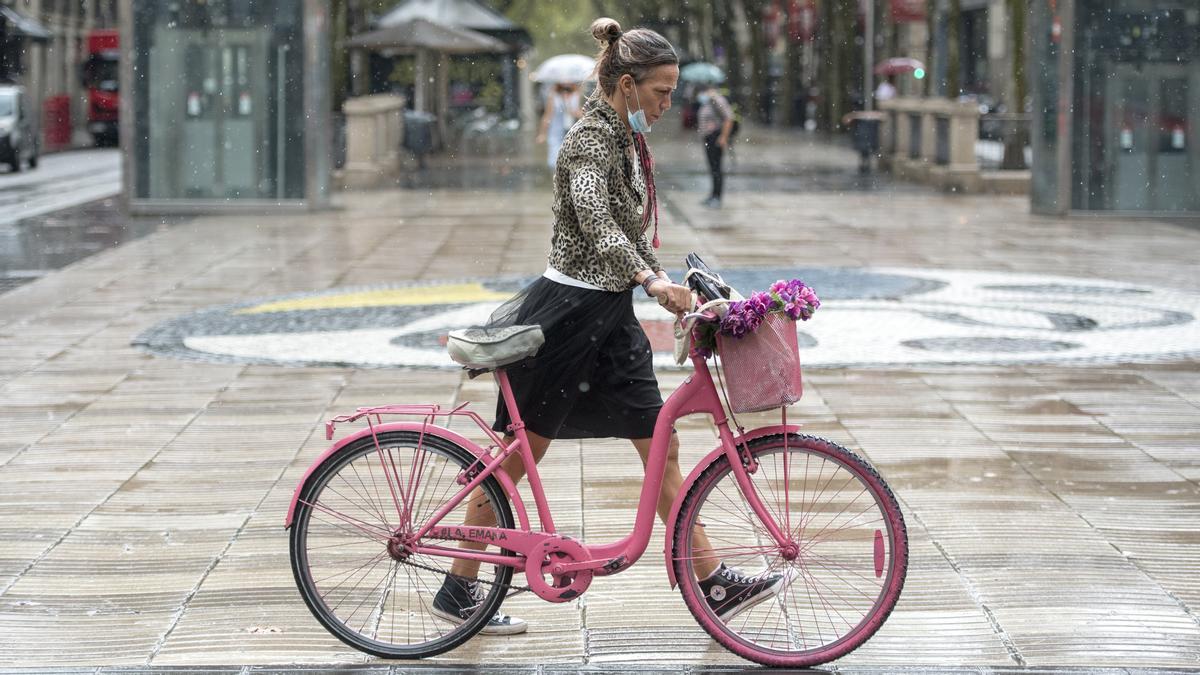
x: 762, y: 369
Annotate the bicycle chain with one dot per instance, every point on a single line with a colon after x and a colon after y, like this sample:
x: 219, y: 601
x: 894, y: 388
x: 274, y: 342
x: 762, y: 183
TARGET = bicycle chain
x: 516, y: 590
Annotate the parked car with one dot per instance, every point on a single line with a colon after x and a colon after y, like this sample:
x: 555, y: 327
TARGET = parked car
x: 18, y: 136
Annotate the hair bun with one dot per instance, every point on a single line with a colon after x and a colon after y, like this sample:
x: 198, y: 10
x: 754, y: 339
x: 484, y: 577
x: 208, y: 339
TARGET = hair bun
x: 606, y: 30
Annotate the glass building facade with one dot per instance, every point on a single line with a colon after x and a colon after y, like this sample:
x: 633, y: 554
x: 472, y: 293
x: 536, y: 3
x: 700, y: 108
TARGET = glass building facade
x: 1116, y: 89
x: 227, y: 104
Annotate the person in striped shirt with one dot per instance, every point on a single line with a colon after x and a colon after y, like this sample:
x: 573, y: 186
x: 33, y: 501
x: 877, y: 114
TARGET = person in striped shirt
x: 715, y: 124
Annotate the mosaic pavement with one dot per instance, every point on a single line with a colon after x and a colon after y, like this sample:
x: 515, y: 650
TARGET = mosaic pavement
x: 893, y: 317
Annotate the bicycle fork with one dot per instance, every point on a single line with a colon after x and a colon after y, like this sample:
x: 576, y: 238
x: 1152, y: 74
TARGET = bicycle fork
x: 743, y: 465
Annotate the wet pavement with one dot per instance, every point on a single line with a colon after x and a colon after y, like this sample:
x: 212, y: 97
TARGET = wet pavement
x: 34, y: 246
x: 1053, y: 505
x: 65, y: 210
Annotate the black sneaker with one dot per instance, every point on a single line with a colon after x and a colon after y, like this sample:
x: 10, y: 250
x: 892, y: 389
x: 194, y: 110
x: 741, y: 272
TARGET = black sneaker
x: 459, y: 597
x: 729, y: 592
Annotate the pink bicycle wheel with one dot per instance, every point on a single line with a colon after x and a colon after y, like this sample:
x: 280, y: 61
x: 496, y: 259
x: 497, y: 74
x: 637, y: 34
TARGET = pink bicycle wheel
x: 350, y: 569
x: 825, y: 596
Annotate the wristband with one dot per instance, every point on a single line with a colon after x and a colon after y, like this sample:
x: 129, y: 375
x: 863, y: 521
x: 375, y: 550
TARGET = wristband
x: 648, y: 282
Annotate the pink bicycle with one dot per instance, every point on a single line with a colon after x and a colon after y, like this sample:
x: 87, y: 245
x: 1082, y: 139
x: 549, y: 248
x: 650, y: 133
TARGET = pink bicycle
x: 373, y: 521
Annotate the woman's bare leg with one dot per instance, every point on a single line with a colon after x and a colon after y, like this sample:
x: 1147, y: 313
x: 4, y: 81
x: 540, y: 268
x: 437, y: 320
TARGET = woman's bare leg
x: 478, y: 512
x: 672, y: 481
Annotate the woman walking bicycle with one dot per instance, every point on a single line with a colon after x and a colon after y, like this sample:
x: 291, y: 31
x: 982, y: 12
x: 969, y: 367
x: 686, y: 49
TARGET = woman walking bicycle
x: 406, y: 534
x: 594, y: 376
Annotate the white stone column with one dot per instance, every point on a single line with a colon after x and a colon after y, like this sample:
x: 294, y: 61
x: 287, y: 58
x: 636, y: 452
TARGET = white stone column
x: 421, y: 81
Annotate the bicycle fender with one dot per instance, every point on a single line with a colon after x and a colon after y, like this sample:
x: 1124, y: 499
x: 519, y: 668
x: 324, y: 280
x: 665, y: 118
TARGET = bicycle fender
x: 418, y: 427
x: 669, y: 543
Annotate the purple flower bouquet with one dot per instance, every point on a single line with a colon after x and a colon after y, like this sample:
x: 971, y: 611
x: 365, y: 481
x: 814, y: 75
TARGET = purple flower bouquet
x: 790, y: 298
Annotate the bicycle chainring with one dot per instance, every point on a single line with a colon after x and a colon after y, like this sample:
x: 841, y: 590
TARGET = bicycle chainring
x: 565, y: 586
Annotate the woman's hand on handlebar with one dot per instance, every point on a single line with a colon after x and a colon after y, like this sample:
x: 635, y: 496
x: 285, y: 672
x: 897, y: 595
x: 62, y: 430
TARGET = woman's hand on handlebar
x: 673, y: 297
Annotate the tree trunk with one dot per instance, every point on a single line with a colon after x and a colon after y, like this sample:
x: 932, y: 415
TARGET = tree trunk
x: 953, y: 50
x: 339, y: 60
x: 693, y: 25
x: 790, y: 85
x: 706, y: 34
x: 1017, y: 11
x: 930, y: 44
x: 1018, y: 135
x: 838, y: 56
x: 735, y: 78
x: 759, y: 77
x: 826, y: 64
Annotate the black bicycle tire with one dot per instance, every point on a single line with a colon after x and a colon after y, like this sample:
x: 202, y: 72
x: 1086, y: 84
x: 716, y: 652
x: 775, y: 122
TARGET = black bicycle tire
x: 298, y: 556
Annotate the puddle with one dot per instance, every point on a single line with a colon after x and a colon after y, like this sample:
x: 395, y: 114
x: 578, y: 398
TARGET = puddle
x: 31, y: 247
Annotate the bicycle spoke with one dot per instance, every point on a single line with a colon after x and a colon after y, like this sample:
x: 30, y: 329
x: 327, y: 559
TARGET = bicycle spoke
x: 357, y: 528
x: 826, y: 534
x: 861, y: 492
x: 376, y: 502
x: 365, y: 569
x: 368, y: 560
x: 828, y: 563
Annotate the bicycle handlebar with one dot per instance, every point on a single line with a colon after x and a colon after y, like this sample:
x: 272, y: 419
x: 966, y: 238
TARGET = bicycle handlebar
x: 703, y: 316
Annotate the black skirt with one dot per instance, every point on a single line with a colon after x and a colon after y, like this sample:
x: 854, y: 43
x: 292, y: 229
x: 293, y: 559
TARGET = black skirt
x: 594, y: 376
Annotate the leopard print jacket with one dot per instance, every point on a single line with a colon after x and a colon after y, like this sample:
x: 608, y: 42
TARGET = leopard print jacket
x: 598, y: 204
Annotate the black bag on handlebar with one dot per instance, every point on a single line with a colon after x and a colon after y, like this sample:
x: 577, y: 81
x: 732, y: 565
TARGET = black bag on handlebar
x: 707, y: 283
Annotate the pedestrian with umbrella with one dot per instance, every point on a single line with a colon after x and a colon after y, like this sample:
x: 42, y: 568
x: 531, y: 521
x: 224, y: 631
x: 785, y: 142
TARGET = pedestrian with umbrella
x: 564, y: 105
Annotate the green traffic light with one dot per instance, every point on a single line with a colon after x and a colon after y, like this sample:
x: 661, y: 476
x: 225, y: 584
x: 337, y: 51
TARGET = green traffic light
x: 919, y: 73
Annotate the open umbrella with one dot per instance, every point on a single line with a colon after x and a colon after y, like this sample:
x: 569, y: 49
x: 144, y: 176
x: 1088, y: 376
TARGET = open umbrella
x: 701, y: 72
x: 898, y: 65
x: 565, y: 68
x: 421, y: 34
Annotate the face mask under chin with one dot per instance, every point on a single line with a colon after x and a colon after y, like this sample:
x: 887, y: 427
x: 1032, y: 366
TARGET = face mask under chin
x: 637, y: 120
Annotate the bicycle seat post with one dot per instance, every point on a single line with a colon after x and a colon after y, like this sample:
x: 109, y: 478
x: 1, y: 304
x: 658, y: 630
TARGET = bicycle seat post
x: 517, y: 429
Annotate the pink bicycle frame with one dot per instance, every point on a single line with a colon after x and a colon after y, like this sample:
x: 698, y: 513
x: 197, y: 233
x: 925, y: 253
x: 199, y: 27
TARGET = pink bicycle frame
x: 556, y: 554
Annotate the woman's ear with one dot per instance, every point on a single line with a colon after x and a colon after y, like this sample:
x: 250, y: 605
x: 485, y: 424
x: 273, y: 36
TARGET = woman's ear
x: 625, y: 82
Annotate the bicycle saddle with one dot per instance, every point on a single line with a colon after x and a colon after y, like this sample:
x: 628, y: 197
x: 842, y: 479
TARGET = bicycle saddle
x: 482, y: 349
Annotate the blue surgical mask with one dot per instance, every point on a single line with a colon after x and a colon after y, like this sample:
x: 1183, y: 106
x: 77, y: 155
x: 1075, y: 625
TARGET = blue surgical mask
x: 637, y: 120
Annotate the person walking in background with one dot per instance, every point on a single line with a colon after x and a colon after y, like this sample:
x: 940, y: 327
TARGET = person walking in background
x: 563, y: 108
x: 715, y: 124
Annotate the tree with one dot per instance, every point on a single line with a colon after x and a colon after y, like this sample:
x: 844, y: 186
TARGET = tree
x: 1017, y: 11
x: 791, y: 84
x: 954, y: 49
x: 931, y: 9
x: 1015, y: 142
x: 839, y: 54
x: 701, y: 30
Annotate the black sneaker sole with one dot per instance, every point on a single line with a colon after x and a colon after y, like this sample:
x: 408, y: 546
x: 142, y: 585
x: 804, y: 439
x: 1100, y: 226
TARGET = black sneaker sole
x: 488, y: 628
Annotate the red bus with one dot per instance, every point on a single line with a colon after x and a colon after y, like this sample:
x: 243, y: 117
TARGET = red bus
x: 100, y: 77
